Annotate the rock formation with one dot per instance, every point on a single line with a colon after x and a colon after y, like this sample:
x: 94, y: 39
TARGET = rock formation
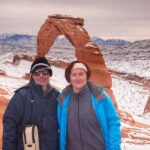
x: 2, y: 72
x: 85, y: 50
x: 147, y: 107
x: 3, y: 104
x: 19, y: 57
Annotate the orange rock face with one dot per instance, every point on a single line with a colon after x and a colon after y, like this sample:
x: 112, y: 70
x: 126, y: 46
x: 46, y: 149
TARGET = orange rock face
x: 2, y: 72
x: 147, y: 107
x: 85, y: 50
x: 17, y: 58
x: 3, y: 104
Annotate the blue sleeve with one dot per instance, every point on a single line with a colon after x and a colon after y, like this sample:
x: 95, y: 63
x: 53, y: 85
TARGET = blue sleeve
x: 113, y: 121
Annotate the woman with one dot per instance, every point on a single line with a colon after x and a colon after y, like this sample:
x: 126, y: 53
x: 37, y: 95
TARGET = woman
x: 86, y: 115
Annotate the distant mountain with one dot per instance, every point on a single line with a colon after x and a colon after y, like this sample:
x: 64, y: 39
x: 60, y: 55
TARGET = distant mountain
x: 61, y: 41
x: 29, y: 40
x: 5, y: 35
x: 133, y: 51
x: 115, y: 42
x: 18, y: 39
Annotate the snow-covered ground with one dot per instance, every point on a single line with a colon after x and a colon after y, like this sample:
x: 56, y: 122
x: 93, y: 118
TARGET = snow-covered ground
x: 136, y: 67
x: 14, y: 80
x: 126, y: 146
x: 130, y: 97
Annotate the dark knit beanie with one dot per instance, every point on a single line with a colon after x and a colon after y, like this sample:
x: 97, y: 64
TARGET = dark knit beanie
x: 40, y: 62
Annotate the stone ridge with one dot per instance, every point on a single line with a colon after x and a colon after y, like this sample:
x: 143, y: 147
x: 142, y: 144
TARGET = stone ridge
x: 85, y: 50
x: 79, y: 21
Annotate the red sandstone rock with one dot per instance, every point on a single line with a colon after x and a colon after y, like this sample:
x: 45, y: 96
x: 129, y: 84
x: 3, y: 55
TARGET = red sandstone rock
x: 18, y: 58
x: 2, y: 72
x: 85, y: 50
x: 3, y: 104
x: 147, y: 107
x: 26, y: 76
x: 3, y: 92
x: 126, y: 117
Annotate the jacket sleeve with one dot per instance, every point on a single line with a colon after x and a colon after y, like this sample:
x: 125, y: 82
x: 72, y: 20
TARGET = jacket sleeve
x: 11, y: 120
x: 113, y: 122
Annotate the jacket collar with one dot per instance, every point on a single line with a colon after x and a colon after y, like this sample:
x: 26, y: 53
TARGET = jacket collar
x: 38, y: 88
x: 95, y: 89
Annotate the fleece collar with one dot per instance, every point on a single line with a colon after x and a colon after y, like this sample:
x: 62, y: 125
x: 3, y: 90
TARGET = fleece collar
x: 97, y: 91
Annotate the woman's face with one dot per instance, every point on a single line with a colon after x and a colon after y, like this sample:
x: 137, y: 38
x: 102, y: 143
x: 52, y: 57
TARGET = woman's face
x: 78, y: 79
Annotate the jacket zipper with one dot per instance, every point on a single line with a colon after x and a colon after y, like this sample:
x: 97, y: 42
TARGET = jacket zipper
x: 99, y: 124
x: 79, y: 123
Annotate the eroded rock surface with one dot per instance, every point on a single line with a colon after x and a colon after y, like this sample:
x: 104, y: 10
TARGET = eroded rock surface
x: 85, y: 50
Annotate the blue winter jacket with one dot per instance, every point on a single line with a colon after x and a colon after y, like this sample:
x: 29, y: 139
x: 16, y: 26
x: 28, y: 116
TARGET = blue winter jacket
x: 106, y: 114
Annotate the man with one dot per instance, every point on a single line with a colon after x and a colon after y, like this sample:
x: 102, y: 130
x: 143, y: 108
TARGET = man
x: 34, y: 103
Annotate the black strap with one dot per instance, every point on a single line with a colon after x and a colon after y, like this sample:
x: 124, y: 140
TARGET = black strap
x: 24, y: 133
x: 30, y: 123
x: 33, y: 138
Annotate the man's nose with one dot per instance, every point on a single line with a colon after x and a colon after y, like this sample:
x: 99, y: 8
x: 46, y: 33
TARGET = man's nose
x: 41, y: 74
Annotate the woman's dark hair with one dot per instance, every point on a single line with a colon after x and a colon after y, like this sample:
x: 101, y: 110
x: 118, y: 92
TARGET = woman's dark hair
x: 71, y: 65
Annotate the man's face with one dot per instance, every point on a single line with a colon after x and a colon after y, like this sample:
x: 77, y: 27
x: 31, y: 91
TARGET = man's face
x: 41, y: 76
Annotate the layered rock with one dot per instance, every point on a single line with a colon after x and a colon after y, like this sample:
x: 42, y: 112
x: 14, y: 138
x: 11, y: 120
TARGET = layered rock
x: 147, y: 107
x: 3, y: 105
x: 85, y: 50
x: 2, y: 72
x: 18, y: 58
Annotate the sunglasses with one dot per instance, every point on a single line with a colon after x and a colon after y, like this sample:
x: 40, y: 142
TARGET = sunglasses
x: 44, y: 72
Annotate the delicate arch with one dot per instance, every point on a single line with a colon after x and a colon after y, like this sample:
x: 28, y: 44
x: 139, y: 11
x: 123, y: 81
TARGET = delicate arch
x: 85, y: 50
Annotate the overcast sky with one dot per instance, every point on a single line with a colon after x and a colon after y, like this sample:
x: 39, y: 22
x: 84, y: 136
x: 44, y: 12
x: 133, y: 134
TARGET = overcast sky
x: 124, y: 19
